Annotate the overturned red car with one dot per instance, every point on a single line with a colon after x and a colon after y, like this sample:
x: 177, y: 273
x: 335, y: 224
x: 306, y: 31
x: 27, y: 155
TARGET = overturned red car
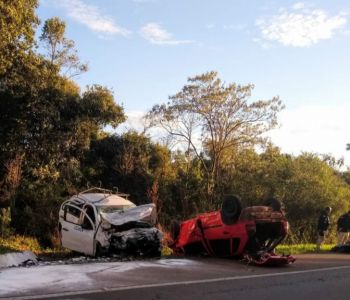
x: 251, y: 233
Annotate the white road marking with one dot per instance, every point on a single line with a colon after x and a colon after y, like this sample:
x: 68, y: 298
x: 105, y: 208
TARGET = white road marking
x: 144, y: 286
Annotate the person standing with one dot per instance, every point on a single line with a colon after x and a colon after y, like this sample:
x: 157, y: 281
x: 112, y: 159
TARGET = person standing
x: 322, y: 226
x: 343, y: 228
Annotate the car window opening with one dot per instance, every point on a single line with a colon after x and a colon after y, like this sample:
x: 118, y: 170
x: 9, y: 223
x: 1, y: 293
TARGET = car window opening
x: 89, y: 212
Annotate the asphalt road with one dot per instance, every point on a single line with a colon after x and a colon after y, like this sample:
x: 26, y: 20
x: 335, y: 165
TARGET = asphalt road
x: 321, y: 277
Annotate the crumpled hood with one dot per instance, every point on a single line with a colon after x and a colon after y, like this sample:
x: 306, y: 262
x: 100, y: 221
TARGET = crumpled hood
x: 145, y: 213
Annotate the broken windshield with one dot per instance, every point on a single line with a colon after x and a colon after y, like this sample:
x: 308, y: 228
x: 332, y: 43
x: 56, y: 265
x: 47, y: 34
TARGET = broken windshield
x: 111, y: 209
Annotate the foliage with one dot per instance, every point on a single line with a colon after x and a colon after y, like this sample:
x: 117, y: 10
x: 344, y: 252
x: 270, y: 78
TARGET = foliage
x: 166, y: 251
x: 19, y: 243
x: 305, y: 184
x: 60, y: 50
x: 5, y: 222
x: 54, y: 142
x: 211, y: 118
x: 98, y: 106
x: 16, y: 243
x: 302, y: 248
x: 46, y: 124
x: 130, y: 162
x: 17, y: 28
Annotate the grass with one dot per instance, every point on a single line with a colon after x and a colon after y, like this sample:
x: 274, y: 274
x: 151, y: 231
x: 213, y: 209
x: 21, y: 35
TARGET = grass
x: 302, y: 248
x: 17, y: 243
x: 166, y: 251
x: 281, y: 249
x: 21, y: 243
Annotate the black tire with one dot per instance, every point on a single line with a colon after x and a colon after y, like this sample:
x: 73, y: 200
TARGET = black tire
x: 98, y: 251
x: 231, y: 209
x: 175, y: 230
x: 60, y: 234
x: 274, y: 203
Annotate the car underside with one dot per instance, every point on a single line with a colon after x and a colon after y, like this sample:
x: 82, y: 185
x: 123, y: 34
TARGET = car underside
x: 251, y: 233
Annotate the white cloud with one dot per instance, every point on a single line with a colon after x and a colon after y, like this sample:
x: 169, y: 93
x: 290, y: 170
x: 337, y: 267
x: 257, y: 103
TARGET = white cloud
x: 90, y: 16
x: 301, y: 29
x: 155, y: 34
x: 314, y: 128
x: 298, y: 5
x: 135, y: 121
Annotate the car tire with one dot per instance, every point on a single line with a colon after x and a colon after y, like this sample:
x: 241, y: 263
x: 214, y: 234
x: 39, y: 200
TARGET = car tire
x: 231, y: 209
x: 60, y: 234
x: 274, y: 203
x: 98, y: 251
x: 175, y: 230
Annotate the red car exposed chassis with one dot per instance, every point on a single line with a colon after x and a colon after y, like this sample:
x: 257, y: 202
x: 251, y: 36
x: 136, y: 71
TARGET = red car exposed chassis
x: 251, y: 233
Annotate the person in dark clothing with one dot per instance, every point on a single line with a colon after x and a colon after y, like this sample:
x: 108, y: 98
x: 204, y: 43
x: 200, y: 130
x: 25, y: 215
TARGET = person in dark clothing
x: 322, y: 226
x: 343, y: 228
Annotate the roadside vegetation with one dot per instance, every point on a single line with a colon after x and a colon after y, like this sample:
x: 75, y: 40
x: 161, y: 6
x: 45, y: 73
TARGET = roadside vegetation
x: 54, y: 143
x: 302, y: 248
x: 17, y: 243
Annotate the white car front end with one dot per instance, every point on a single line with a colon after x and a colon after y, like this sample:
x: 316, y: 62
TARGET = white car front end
x: 88, y: 222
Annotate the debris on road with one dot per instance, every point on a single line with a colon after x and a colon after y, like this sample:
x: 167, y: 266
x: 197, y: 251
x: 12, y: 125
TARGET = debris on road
x: 16, y: 259
x: 46, y: 279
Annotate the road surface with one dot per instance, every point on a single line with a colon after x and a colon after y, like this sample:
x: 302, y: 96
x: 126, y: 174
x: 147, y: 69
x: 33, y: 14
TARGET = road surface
x: 316, y: 276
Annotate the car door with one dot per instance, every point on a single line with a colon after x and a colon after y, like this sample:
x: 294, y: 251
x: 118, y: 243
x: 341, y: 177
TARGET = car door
x: 88, y: 229
x: 76, y: 235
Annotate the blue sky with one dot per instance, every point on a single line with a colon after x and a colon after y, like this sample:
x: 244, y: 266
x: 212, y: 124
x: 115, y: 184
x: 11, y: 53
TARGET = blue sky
x: 146, y: 49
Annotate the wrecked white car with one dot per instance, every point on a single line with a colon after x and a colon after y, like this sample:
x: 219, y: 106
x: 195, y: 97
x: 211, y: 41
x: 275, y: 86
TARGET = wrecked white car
x: 99, y: 221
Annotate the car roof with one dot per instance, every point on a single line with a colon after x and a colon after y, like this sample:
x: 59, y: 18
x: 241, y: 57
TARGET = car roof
x: 102, y: 199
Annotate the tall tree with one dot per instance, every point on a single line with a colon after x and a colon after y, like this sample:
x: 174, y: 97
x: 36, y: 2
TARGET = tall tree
x: 211, y: 118
x: 61, y: 51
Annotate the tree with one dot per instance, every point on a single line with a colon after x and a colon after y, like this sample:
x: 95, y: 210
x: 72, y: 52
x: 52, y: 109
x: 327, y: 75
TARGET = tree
x: 305, y: 184
x: 17, y: 29
x: 61, y: 51
x: 130, y: 162
x: 46, y: 123
x: 211, y: 118
x: 99, y: 106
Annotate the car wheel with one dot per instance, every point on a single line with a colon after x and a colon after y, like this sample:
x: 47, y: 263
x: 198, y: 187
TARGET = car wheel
x: 60, y: 233
x: 231, y: 209
x: 175, y: 230
x: 274, y: 203
x: 98, y: 251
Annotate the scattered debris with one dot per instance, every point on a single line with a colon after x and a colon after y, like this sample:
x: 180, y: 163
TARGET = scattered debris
x: 46, y: 279
x: 16, y: 259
